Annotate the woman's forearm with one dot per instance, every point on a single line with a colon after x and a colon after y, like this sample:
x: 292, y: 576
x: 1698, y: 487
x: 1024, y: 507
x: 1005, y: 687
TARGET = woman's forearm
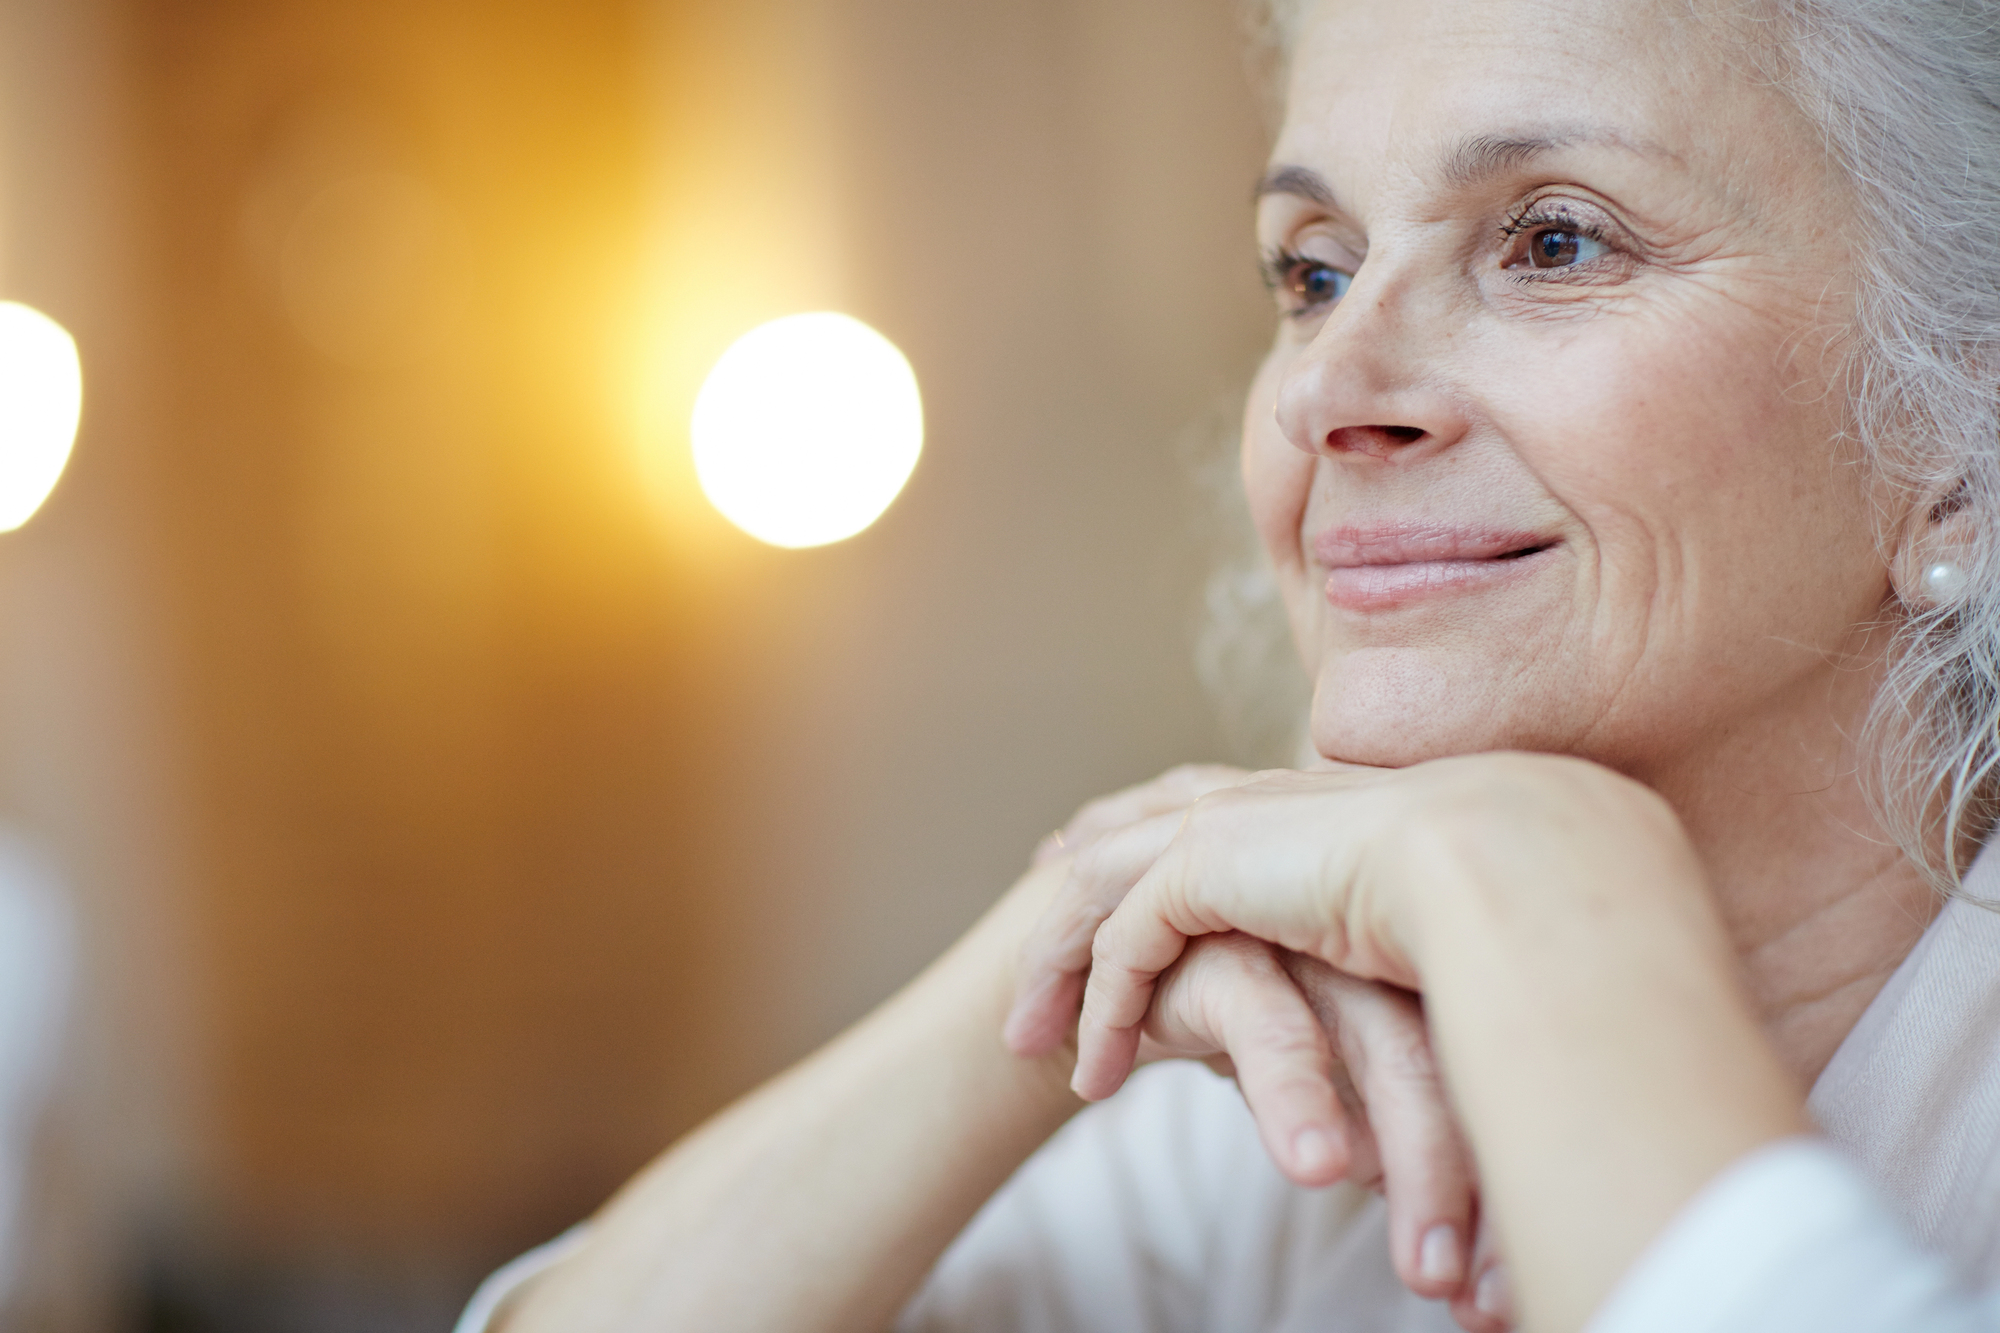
x: 818, y: 1203
x: 1607, y: 1064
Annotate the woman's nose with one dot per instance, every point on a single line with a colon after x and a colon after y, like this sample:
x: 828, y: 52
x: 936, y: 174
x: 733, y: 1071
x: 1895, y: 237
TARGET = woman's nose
x: 1367, y: 386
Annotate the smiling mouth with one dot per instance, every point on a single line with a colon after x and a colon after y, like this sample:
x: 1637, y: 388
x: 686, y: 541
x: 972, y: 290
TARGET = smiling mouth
x: 1380, y: 567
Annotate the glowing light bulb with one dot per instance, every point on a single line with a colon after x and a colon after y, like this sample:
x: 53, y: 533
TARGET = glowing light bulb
x: 41, y: 399
x: 806, y: 429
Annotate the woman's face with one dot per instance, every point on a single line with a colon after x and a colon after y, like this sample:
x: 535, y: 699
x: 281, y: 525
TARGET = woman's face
x: 1544, y: 452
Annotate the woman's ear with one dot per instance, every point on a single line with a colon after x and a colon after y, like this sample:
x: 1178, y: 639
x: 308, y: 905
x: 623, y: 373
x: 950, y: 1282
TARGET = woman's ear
x: 1935, y: 548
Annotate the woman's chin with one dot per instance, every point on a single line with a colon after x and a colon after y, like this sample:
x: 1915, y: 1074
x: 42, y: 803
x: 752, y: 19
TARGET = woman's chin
x: 1379, y: 747
x: 1414, y: 713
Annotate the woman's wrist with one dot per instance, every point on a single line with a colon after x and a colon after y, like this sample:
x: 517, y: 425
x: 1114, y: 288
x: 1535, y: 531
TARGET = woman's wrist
x: 950, y: 1017
x: 1535, y: 850
x: 819, y: 1201
x: 1586, y: 1009
x: 963, y: 998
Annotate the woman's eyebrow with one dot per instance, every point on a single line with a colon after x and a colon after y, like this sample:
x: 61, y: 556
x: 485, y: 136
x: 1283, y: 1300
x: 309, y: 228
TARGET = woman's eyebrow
x: 1471, y: 160
x: 1480, y: 157
x: 1303, y: 182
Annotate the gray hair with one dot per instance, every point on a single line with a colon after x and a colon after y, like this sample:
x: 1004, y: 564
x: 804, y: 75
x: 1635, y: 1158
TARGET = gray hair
x: 1907, y: 96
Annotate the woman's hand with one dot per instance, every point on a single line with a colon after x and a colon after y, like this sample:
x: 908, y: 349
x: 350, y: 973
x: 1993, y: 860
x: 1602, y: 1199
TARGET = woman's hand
x: 1171, y: 793
x: 1336, y: 865
x: 1110, y: 842
x: 1317, y: 1048
x: 1582, y: 994
x: 1308, y: 1044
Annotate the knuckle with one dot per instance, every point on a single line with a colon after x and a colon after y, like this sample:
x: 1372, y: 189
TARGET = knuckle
x: 1275, y: 1089
x: 1405, y: 1058
x: 1213, y: 809
x: 1072, y: 911
x: 1078, y: 928
x: 1239, y: 955
x: 1092, y: 866
x: 1282, y: 1036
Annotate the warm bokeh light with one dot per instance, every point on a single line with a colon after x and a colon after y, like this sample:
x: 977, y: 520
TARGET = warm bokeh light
x: 41, y: 398
x: 807, y: 428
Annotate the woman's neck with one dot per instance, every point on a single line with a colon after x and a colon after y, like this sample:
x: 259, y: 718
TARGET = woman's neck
x: 1822, y: 903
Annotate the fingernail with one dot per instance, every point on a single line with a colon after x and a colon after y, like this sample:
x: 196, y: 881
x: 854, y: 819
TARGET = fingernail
x: 1313, y: 1150
x: 1492, y: 1297
x: 1440, y: 1258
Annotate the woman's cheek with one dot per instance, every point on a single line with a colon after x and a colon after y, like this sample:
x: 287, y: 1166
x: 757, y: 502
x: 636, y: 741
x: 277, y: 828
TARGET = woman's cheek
x: 1277, y: 478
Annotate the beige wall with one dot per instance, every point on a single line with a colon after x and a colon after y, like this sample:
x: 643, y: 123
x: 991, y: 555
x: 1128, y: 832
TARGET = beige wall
x: 89, y: 769
x: 498, y: 813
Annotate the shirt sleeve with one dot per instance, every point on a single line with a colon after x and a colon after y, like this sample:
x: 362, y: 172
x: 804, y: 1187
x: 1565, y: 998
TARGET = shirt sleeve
x: 506, y: 1283
x: 1792, y: 1239
x: 1085, y: 1236
x: 1101, y: 1231
x: 1159, y: 1211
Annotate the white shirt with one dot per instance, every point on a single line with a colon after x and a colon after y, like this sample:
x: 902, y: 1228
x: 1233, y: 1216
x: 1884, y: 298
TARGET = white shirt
x: 1159, y: 1211
x: 1896, y: 1229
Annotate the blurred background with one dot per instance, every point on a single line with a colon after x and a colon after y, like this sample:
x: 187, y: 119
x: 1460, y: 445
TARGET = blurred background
x: 450, y: 808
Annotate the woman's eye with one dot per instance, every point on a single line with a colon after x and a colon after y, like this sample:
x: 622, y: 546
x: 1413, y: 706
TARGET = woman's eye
x: 1311, y: 284
x: 1320, y: 283
x: 1560, y: 247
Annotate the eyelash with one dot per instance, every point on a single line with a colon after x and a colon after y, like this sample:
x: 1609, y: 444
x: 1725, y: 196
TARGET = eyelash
x: 1558, y: 216
x: 1280, y: 265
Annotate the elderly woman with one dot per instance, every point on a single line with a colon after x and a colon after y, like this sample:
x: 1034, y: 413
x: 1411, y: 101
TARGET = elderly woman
x: 1628, y: 459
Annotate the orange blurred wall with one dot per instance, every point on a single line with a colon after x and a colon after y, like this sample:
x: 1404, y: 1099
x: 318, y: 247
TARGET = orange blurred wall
x: 501, y: 811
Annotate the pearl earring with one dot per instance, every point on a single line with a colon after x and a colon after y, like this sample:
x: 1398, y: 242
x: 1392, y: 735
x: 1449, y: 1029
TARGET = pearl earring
x: 1944, y: 581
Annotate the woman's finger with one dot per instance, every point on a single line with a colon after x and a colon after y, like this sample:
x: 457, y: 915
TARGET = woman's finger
x: 1364, y: 1154
x: 1172, y: 791
x: 1487, y: 1303
x: 1232, y: 993
x: 1049, y: 980
x: 1279, y: 858
x: 1427, y: 1168
x: 1111, y: 841
x: 1116, y: 997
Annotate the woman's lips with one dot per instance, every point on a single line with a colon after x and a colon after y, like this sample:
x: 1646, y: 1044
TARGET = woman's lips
x: 1377, y: 567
